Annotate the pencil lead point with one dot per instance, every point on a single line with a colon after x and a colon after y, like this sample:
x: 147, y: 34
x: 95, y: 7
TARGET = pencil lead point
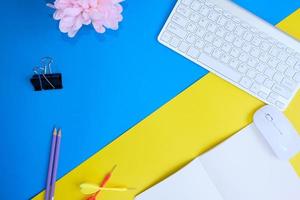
x: 59, y: 132
x: 54, y: 131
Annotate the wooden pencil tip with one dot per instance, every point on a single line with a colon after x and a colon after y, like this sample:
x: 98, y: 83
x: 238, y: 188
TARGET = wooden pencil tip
x: 54, y: 131
x: 59, y: 132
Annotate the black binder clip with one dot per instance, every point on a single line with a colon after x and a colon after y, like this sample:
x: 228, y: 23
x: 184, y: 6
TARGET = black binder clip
x: 44, y: 79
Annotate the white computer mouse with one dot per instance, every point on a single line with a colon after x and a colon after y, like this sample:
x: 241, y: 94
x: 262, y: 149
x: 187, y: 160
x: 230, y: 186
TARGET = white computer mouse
x: 278, y: 132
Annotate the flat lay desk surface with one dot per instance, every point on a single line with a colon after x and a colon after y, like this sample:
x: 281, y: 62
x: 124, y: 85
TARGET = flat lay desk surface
x: 111, y: 82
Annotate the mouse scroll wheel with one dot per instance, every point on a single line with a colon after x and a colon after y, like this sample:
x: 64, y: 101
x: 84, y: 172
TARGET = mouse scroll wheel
x: 269, y: 117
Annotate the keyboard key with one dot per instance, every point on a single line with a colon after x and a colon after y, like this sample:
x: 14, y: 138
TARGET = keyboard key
x: 196, y: 5
x: 245, y: 25
x: 221, y: 32
x: 261, y: 67
x: 222, y: 21
x: 247, y: 47
x: 252, y: 73
x: 183, y: 10
x: 218, y: 42
x: 195, y: 17
x: 290, y: 72
x: 253, y: 61
x: 291, y: 61
x: 191, y: 38
x: 209, y: 4
x: 226, y: 47
x: 243, y: 68
x: 281, y: 91
x: 246, y: 82
x: 282, y: 67
x: 290, y: 51
x: 240, y: 31
x: 203, y: 22
x: 230, y: 37
x: 175, y: 42
x: 278, y: 76
x: 177, y: 30
x: 230, y: 26
x: 238, y: 42
x: 193, y: 52
x: 219, y: 67
x: 225, y: 58
x: 209, y: 37
x: 234, y: 63
x: 271, y: 100
x: 273, y: 62
x: 200, y: 32
x: 255, y: 88
x: 263, y: 95
x: 264, y: 36
x: 200, y: 44
x: 227, y: 15
x: 204, y: 10
x: 219, y: 10
x: 268, y: 83
x: 260, y: 78
x: 236, y: 20
x: 191, y: 27
x: 208, y: 49
x: 184, y: 46
x: 187, y: 2
x: 270, y: 72
x: 214, y: 16
x: 217, y: 53
x: 256, y: 41
x: 265, y: 46
x: 255, y: 52
x: 166, y: 37
x: 283, y: 56
x: 248, y: 36
x: 235, y: 52
x: 274, y: 51
x: 276, y: 98
x: 180, y: 20
x: 289, y: 83
x: 264, y: 57
x: 244, y: 57
x: 212, y: 27
x: 297, y: 66
x: 297, y: 77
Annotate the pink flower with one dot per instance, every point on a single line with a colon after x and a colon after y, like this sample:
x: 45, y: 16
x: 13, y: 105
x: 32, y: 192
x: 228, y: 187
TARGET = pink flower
x: 75, y: 13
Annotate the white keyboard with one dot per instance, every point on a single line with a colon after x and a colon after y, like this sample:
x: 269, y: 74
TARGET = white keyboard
x: 237, y: 46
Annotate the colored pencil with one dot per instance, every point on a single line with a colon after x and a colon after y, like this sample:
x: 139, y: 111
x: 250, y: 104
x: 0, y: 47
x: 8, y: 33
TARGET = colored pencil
x: 103, y: 183
x: 55, y: 165
x: 50, y: 167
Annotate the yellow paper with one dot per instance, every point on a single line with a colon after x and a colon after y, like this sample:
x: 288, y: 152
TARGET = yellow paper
x: 202, y: 116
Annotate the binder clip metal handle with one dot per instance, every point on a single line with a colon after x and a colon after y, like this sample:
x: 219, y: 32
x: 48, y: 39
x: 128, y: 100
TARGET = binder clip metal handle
x: 43, y: 78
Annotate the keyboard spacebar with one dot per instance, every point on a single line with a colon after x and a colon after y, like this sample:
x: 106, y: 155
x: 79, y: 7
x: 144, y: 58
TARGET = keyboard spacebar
x: 220, y: 68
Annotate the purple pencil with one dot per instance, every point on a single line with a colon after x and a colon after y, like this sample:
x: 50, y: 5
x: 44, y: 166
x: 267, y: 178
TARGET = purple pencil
x: 50, y: 167
x: 55, y: 164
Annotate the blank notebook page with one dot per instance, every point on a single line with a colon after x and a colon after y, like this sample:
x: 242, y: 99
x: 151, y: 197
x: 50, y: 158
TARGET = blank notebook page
x: 245, y: 168
x: 190, y: 183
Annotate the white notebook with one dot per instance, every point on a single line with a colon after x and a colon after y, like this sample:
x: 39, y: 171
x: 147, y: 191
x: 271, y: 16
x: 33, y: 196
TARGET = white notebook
x: 241, y: 168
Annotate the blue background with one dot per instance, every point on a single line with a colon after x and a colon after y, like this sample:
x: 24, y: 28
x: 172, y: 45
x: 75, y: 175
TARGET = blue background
x: 111, y: 82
